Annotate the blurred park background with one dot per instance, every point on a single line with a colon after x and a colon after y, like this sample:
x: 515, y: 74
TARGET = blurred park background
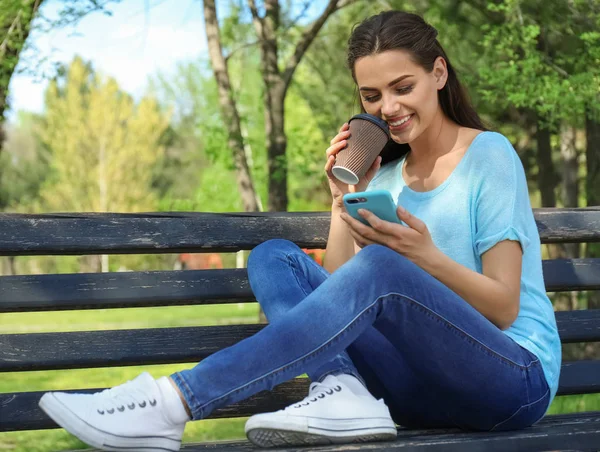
x: 110, y: 105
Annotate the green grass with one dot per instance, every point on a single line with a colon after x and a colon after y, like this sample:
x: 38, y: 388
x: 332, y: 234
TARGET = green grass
x: 206, y: 430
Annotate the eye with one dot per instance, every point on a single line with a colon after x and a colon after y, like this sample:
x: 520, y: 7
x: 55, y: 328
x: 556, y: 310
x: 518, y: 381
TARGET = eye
x: 404, y: 89
x: 371, y: 98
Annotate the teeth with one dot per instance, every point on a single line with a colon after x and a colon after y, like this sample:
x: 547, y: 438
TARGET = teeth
x: 399, y: 123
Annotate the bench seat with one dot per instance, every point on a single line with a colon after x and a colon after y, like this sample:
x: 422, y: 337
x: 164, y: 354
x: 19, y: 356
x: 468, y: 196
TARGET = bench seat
x: 80, y: 234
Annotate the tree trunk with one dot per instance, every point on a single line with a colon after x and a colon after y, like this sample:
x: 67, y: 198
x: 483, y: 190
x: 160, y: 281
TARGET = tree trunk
x: 592, y: 186
x: 569, y: 195
x: 546, y: 174
x: 276, y: 148
x: 570, y: 183
x: 17, y: 32
x: 11, y: 44
x: 229, y: 111
x: 276, y: 84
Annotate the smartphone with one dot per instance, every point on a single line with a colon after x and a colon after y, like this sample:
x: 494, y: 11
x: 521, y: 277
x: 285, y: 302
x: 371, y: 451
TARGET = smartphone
x: 379, y: 202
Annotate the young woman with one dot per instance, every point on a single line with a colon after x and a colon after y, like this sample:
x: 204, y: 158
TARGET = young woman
x: 441, y: 321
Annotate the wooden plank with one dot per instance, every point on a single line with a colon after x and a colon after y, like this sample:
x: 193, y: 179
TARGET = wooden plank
x: 20, y: 411
x: 579, y: 377
x: 571, y: 274
x: 45, y: 351
x: 82, y: 349
x: 177, y: 232
x: 123, y: 290
x: 578, y: 326
x: 166, y: 288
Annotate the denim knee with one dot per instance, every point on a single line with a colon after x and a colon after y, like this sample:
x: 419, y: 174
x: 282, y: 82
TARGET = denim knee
x: 264, y: 252
x: 380, y: 256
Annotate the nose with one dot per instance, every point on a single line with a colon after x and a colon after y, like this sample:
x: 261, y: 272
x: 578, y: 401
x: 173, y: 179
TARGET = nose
x: 389, y: 105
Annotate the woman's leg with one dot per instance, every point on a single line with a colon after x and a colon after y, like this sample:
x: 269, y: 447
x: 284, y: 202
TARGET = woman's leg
x: 281, y: 275
x: 485, y: 377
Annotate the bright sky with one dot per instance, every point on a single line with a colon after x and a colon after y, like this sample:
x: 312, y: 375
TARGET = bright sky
x: 129, y: 45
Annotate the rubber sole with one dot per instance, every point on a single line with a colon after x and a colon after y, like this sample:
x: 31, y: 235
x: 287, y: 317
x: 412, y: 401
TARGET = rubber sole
x: 99, y: 439
x: 269, y: 438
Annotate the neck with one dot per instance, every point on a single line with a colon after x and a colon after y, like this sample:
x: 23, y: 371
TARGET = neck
x: 440, y: 138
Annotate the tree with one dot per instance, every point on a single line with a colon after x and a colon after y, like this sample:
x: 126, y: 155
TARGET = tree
x: 276, y: 81
x: 15, y: 25
x: 104, y: 145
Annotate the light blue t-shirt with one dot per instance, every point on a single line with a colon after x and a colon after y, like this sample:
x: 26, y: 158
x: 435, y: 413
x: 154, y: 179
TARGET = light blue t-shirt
x: 485, y: 200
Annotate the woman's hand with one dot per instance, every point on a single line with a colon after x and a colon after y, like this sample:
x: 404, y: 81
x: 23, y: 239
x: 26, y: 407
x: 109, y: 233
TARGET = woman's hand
x: 337, y: 187
x: 412, y: 241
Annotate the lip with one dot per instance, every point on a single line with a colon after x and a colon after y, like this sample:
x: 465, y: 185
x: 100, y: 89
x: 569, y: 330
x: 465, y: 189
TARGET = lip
x: 400, y: 127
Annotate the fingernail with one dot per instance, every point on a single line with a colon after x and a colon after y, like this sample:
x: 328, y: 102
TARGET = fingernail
x: 401, y: 209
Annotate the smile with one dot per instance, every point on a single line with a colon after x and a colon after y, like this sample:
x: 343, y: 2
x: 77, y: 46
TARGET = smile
x: 400, y: 122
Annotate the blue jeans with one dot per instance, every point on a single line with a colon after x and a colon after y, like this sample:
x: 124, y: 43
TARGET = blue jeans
x: 433, y: 358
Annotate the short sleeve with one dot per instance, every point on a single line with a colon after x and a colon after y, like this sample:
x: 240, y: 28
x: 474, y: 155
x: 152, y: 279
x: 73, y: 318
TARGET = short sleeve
x: 502, y: 207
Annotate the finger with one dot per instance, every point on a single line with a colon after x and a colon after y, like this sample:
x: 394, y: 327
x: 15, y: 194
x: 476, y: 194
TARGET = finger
x: 359, y: 227
x: 335, y: 148
x: 360, y: 240
x: 411, y: 220
x: 329, y: 165
x: 340, y: 136
x: 377, y: 223
x: 345, y: 126
x: 373, y: 170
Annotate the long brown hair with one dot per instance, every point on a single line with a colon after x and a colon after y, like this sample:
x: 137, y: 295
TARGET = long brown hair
x: 399, y: 30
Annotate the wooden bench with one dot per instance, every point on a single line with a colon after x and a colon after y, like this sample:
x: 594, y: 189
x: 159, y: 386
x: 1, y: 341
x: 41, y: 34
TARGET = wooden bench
x: 73, y: 234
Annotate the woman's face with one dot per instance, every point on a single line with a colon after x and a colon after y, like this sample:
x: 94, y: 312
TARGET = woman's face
x: 400, y: 91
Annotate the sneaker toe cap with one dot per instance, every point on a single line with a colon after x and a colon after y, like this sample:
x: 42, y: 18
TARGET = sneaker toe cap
x: 277, y: 421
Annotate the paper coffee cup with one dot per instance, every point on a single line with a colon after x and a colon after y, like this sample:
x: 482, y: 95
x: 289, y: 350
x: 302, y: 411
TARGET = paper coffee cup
x: 368, y: 136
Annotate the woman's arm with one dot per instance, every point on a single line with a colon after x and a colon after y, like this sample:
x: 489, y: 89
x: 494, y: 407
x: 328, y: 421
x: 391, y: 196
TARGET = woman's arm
x: 495, y: 293
x: 340, y: 244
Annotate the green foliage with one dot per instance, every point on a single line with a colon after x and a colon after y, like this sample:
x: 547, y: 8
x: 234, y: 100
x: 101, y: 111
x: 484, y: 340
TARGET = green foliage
x: 104, y: 145
x: 24, y: 162
x: 542, y: 59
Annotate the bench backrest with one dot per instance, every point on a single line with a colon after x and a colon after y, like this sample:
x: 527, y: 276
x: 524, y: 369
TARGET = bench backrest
x: 79, y: 234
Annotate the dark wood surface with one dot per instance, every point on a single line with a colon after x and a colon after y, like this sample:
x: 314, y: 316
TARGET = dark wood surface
x: 45, y: 351
x: 156, y: 288
x: 205, y: 232
x: 19, y: 411
x: 175, y: 232
x: 579, y: 432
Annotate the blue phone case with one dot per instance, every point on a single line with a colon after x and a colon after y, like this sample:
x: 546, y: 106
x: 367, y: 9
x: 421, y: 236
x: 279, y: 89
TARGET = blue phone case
x: 379, y: 202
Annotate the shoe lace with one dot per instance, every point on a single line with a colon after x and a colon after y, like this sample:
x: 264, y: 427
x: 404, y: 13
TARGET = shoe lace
x: 316, y: 392
x: 126, y: 396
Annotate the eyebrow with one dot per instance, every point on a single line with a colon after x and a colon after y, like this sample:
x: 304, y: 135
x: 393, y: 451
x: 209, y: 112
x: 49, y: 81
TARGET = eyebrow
x: 392, y: 83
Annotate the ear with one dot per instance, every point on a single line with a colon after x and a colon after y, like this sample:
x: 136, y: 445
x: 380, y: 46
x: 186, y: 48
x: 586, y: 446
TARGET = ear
x: 440, y: 72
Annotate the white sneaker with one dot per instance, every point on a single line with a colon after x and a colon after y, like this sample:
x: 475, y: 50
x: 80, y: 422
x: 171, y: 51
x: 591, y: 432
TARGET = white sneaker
x: 132, y: 416
x: 331, y: 413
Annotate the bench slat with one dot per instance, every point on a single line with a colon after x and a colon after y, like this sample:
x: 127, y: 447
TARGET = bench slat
x: 20, y: 411
x: 156, y: 288
x: 123, y: 290
x: 45, y: 351
x: 178, y: 232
